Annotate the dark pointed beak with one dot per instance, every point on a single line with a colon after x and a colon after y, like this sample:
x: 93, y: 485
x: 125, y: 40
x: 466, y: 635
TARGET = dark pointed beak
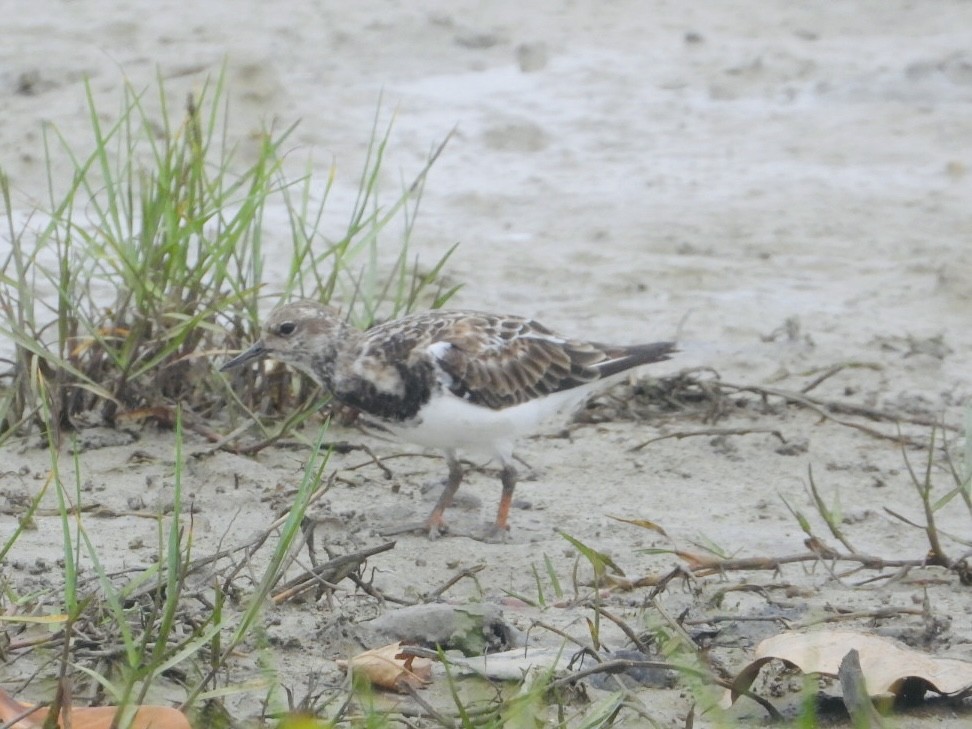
x: 257, y: 351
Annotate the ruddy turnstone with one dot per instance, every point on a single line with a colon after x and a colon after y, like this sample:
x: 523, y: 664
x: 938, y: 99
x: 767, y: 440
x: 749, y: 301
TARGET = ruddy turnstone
x: 451, y: 380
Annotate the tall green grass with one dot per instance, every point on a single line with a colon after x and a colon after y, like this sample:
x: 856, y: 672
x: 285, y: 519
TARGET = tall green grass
x: 141, y: 268
x: 148, y: 627
x: 117, y: 295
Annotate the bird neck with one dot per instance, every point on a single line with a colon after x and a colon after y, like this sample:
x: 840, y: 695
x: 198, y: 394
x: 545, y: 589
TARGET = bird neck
x: 325, y: 356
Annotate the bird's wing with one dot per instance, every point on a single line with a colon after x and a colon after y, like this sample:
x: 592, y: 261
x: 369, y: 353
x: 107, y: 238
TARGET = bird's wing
x: 498, y: 361
x: 502, y: 361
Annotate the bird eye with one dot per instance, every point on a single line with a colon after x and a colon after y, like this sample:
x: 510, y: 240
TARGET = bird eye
x: 286, y: 328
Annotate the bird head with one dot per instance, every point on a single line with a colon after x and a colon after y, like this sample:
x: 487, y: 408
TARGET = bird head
x: 298, y: 333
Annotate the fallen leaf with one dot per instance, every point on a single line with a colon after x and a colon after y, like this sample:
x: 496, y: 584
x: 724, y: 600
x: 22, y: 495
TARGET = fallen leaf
x: 163, y: 415
x: 104, y: 333
x: 303, y: 721
x: 643, y: 523
x: 885, y: 664
x: 697, y: 561
x: 95, y: 717
x: 388, y: 668
x: 41, y: 619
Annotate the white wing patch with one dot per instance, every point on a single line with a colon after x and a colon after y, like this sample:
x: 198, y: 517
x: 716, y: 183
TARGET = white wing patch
x: 437, y: 350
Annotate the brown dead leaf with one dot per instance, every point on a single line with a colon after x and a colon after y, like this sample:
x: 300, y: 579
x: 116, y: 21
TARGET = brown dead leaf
x: 95, y: 717
x: 643, y: 523
x: 84, y: 344
x: 886, y: 665
x: 388, y: 668
x: 163, y: 415
x: 697, y: 561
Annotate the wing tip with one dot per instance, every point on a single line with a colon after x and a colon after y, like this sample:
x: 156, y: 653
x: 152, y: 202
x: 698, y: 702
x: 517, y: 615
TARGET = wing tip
x: 636, y: 355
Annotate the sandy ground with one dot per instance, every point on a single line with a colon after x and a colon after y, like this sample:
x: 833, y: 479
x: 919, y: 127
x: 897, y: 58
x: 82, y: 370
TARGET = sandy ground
x: 784, y: 187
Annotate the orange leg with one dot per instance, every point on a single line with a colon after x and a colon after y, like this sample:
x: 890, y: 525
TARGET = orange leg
x: 436, y: 521
x: 508, y: 477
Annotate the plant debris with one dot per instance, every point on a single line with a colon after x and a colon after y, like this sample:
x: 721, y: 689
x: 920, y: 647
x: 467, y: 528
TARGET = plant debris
x: 390, y: 668
x: 887, y: 667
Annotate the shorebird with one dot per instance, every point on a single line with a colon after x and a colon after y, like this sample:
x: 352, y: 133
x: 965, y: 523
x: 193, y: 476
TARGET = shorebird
x: 456, y: 381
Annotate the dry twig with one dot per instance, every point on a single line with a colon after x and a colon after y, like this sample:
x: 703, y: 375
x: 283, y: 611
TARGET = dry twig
x: 709, y: 431
x: 327, y: 574
x: 460, y: 575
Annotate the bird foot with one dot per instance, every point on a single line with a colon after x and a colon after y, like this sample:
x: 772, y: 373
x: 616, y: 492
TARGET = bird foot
x: 492, y: 534
x: 488, y: 534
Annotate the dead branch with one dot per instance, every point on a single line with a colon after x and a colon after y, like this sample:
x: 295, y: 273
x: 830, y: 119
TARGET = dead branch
x: 831, y: 371
x: 327, y: 574
x: 625, y: 628
x: 703, y: 566
x: 460, y: 575
x: 879, y: 614
x: 709, y: 431
x: 619, y: 665
x: 827, y: 409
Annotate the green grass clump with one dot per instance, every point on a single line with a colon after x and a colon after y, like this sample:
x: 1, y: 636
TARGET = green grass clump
x: 126, y: 639
x: 142, y: 268
x: 117, y: 296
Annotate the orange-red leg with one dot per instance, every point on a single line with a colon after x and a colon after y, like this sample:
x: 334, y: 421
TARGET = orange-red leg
x: 436, y: 521
x: 508, y: 476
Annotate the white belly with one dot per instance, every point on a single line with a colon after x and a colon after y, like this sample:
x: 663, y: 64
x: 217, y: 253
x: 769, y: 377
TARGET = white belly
x: 450, y: 423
